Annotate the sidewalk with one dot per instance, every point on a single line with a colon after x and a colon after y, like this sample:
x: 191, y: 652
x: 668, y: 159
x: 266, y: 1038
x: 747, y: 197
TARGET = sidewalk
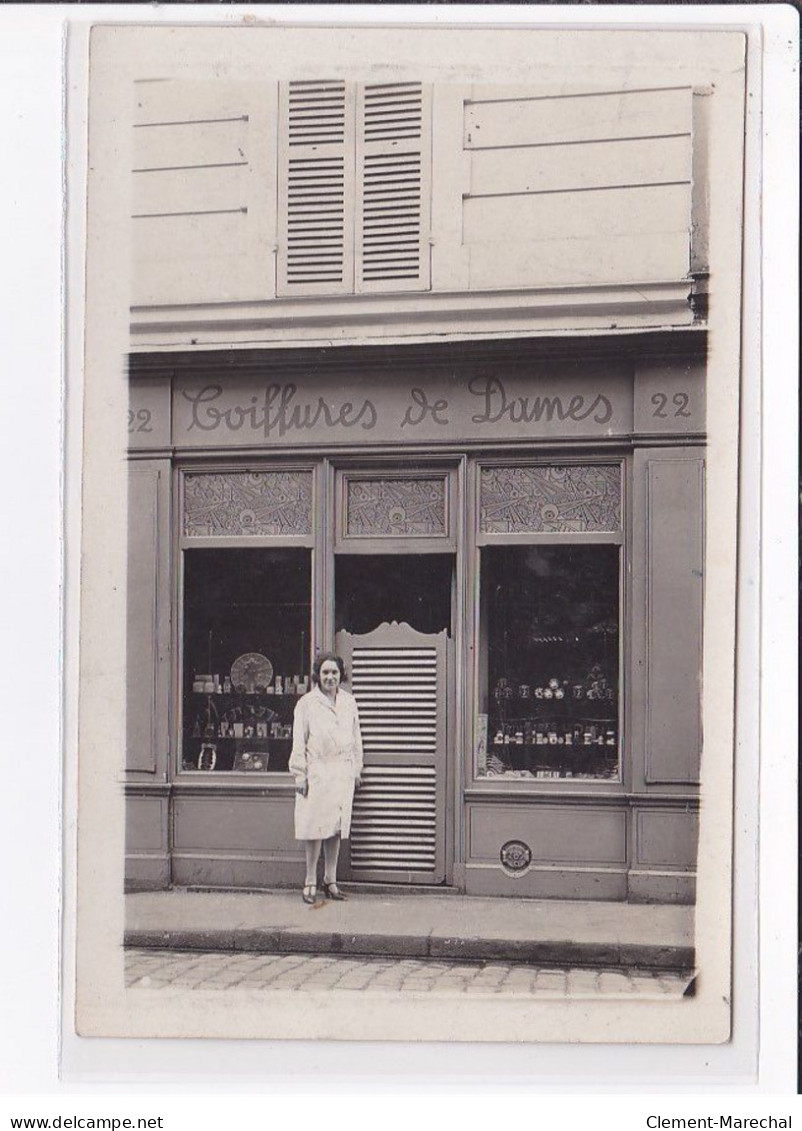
x: 410, y: 925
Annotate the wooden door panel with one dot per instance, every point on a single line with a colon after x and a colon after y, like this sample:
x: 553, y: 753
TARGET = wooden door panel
x: 398, y: 677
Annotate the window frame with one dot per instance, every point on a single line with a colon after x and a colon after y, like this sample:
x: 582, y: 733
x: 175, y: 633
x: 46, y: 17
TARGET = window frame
x: 620, y: 538
x: 184, y: 542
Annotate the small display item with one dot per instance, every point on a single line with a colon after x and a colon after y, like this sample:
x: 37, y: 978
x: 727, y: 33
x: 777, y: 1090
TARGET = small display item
x: 250, y: 761
x: 251, y: 671
x: 207, y: 758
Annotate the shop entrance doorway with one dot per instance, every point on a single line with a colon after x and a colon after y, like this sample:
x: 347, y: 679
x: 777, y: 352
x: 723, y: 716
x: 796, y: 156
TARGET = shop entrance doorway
x: 394, y: 616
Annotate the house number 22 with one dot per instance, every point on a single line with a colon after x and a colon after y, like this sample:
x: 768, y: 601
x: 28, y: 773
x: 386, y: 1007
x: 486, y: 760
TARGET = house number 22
x: 139, y: 421
x: 680, y: 402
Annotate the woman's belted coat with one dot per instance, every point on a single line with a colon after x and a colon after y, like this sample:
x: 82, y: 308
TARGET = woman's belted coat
x: 327, y: 754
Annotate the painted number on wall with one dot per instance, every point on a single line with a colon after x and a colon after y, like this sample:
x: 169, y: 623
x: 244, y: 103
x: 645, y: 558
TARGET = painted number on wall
x: 139, y: 421
x: 678, y: 406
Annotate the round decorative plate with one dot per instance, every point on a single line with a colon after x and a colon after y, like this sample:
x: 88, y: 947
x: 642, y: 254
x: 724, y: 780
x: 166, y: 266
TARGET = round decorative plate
x: 251, y: 671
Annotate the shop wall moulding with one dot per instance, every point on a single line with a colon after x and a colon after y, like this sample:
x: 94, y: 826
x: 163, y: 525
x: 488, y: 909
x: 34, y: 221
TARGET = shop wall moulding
x: 553, y: 834
x: 147, y: 859
x: 147, y: 873
x: 665, y: 839
x: 646, y: 886
x: 255, y: 825
x: 647, y: 305
x: 148, y: 620
x: 539, y: 882
x: 230, y: 785
x: 261, y: 360
x: 575, y: 793
x: 236, y: 873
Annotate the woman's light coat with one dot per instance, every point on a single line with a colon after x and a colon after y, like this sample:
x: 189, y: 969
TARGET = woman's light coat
x: 327, y: 755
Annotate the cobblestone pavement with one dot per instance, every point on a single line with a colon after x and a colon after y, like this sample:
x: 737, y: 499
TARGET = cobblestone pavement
x: 156, y: 969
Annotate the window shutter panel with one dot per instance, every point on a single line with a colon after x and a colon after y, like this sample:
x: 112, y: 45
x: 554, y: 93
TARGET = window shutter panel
x: 393, y: 187
x: 316, y: 188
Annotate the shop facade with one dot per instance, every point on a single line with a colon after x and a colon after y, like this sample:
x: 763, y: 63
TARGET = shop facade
x: 503, y: 539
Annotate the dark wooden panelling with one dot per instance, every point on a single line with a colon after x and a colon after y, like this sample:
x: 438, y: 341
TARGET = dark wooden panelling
x: 661, y: 887
x: 236, y: 872
x: 548, y: 883
x: 146, y: 824
x: 674, y: 618
x: 666, y: 839
x: 147, y: 873
x: 245, y: 824
x: 147, y: 672
x: 555, y: 835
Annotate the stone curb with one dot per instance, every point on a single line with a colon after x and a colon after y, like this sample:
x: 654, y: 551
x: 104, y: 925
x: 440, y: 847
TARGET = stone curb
x: 560, y: 953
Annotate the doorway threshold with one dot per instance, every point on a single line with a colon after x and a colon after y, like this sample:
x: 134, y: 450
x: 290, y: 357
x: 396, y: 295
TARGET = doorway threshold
x: 367, y: 887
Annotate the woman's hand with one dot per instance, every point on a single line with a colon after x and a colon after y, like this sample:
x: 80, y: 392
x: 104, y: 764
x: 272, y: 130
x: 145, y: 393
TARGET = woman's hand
x: 302, y: 790
x: 357, y: 783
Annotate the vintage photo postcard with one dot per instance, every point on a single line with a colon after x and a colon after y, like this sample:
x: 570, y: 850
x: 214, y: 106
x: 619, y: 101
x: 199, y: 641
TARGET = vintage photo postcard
x: 409, y: 533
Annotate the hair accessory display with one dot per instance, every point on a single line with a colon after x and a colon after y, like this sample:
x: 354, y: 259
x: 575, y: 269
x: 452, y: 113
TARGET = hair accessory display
x: 251, y: 672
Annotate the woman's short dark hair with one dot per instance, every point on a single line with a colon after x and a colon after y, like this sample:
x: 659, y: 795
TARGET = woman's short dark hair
x: 321, y: 660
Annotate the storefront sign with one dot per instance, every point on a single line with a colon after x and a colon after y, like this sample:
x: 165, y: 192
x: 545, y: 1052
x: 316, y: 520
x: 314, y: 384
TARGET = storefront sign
x: 479, y: 406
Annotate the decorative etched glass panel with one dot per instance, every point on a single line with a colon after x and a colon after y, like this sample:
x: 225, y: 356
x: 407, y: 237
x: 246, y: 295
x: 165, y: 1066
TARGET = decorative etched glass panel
x: 517, y: 500
x: 396, y: 507
x: 255, y: 503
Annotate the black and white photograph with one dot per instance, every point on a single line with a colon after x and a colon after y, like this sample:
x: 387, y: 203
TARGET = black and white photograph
x: 409, y: 484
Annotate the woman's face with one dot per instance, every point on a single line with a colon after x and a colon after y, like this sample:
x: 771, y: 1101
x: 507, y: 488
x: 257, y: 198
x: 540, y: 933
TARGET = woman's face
x: 329, y: 677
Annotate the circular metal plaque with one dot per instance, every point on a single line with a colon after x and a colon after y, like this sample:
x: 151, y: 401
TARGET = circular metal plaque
x: 515, y: 856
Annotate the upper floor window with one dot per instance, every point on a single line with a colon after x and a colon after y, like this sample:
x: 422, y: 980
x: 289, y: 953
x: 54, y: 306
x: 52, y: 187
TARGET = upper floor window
x: 354, y: 187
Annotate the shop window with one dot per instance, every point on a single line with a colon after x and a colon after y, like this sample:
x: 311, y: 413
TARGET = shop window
x: 548, y: 705
x: 246, y: 656
x: 353, y: 187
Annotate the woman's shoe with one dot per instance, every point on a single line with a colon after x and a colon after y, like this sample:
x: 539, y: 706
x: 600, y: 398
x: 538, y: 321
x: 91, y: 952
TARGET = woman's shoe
x: 333, y: 892
x: 309, y: 893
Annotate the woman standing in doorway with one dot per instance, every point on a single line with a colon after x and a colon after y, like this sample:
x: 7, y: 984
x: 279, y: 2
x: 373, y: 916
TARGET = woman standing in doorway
x: 326, y: 762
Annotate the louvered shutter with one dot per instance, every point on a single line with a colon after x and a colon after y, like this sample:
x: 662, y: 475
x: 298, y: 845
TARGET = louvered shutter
x: 399, y: 679
x: 393, y: 181
x: 316, y: 188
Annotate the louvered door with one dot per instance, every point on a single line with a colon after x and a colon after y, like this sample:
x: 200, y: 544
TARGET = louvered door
x: 399, y: 678
x: 393, y: 165
x: 316, y: 188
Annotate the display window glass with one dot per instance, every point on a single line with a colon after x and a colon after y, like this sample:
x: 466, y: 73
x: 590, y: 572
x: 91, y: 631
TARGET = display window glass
x: 548, y: 673
x: 246, y: 657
